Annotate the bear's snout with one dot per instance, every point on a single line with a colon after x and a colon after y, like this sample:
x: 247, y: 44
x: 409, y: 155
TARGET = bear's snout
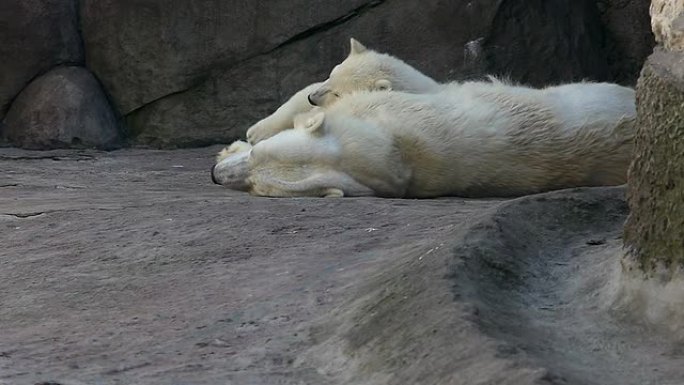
x: 213, y: 177
x: 311, y: 101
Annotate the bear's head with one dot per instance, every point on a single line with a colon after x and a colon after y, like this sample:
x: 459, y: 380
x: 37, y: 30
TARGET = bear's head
x: 368, y: 70
x: 295, y: 162
x: 232, y: 166
x: 305, y: 144
x: 304, y: 161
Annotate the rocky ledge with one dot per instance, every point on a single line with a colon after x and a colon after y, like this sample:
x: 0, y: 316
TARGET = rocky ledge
x: 131, y: 267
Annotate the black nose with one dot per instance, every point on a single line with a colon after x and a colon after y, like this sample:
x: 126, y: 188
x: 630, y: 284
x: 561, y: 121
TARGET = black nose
x: 311, y: 101
x: 213, y: 178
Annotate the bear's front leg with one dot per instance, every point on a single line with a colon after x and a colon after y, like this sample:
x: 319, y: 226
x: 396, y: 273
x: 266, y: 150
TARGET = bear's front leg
x: 282, y: 119
x: 325, y: 184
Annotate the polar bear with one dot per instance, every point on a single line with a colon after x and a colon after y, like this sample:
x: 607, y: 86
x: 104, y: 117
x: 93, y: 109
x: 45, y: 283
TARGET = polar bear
x: 472, y: 139
x: 363, y: 69
x: 368, y: 70
x: 234, y: 166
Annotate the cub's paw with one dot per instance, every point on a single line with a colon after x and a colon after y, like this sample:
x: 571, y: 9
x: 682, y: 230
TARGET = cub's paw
x: 234, y: 148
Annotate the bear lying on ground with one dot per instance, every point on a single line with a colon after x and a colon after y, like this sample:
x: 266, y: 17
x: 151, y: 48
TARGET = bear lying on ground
x: 473, y: 139
x: 362, y: 70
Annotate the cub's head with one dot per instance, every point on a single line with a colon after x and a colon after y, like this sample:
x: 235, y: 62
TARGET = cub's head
x: 362, y: 70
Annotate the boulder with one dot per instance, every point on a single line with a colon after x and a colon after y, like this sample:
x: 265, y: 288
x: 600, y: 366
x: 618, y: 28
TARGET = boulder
x: 66, y: 107
x: 194, y: 73
x: 36, y: 36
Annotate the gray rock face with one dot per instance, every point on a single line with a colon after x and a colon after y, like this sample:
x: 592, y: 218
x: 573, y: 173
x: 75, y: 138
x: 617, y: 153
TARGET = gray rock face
x: 186, y: 73
x: 36, y: 36
x: 64, y: 108
x: 226, y: 65
x: 143, y: 51
x: 628, y: 40
x: 546, y: 41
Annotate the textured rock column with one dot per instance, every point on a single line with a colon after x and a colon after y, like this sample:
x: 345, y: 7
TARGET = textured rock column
x: 654, y: 232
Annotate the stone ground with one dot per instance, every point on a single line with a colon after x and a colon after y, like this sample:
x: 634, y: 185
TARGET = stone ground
x: 130, y: 267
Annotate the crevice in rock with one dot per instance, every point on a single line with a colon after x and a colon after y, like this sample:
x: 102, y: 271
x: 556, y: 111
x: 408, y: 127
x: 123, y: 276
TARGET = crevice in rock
x: 79, y: 30
x: 316, y: 29
x: 193, y: 84
x: 329, y: 24
x: 126, y: 368
x: 9, y: 185
x: 76, y: 157
x: 24, y: 215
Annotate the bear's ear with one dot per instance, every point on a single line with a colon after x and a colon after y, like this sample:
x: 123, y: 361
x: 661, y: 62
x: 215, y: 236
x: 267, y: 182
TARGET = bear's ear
x: 383, y: 85
x: 315, y: 122
x: 356, y: 47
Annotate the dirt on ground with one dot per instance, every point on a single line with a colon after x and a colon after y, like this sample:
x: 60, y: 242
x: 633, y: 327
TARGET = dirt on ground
x: 131, y: 267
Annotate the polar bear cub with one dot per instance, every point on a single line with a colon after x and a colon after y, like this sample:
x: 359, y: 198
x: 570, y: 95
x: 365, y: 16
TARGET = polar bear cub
x: 367, y: 70
x: 472, y: 139
x: 362, y: 70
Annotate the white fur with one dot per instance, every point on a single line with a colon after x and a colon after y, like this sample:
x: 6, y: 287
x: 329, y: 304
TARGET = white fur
x: 282, y: 118
x: 368, y: 70
x: 472, y: 139
x: 362, y: 70
x: 236, y: 147
x: 234, y: 166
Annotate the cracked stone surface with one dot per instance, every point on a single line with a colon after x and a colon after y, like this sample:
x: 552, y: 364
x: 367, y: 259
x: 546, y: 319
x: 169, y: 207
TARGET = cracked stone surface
x: 130, y: 267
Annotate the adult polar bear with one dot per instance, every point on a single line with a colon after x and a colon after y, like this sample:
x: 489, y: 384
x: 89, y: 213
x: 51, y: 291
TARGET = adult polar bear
x: 362, y: 70
x: 472, y: 139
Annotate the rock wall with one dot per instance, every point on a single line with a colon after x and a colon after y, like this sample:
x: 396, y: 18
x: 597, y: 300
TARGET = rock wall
x: 188, y: 73
x: 654, y: 231
x: 37, y: 35
x: 628, y: 38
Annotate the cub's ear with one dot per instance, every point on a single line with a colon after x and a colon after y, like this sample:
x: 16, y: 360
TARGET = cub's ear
x: 310, y: 122
x: 356, y: 47
x: 383, y: 85
x: 315, y: 122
